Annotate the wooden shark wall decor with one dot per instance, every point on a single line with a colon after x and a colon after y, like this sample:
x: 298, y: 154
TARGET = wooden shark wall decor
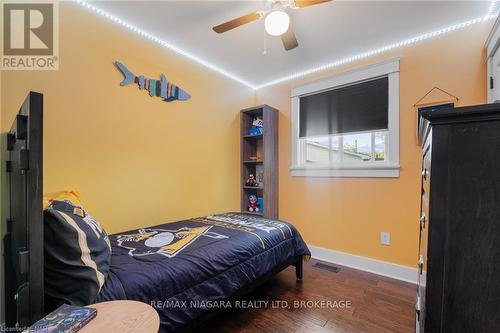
x: 160, y: 88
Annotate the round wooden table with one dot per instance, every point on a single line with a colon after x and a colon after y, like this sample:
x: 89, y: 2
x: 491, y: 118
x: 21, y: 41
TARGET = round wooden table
x: 123, y: 317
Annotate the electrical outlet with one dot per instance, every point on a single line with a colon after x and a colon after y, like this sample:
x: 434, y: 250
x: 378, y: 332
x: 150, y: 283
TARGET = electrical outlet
x: 385, y: 238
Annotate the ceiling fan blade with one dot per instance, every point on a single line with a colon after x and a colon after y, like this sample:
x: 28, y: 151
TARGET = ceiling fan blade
x: 307, y: 3
x: 237, y: 22
x: 289, y: 40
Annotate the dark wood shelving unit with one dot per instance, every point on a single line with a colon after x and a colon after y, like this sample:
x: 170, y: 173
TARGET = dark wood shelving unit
x: 265, y: 148
x: 253, y: 188
x: 256, y: 213
x: 256, y: 162
x: 253, y: 136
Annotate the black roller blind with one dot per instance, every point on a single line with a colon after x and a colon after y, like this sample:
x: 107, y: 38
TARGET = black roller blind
x: 359, y: 107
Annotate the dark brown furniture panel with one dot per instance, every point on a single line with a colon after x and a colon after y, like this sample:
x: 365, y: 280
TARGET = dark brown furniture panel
x: 23, y: 242
x: 462, y: 293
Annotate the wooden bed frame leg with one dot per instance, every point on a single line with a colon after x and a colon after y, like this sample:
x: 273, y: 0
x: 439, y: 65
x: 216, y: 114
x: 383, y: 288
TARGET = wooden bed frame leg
x: 299, y: 268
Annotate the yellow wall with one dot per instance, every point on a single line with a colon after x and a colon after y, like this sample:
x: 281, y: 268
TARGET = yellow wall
x: 348, y: 214
x: 137, y: 160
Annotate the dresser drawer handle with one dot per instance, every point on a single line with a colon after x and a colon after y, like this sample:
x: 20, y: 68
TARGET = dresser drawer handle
x: 423, y: 219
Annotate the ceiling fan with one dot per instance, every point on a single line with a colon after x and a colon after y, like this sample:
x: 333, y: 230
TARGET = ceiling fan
x: 276, y: 20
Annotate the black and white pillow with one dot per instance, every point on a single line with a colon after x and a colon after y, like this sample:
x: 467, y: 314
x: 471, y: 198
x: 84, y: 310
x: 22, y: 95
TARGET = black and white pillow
x: 77, y: 255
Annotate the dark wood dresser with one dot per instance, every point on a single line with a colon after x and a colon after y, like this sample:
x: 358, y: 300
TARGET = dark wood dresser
x: 459, y: 244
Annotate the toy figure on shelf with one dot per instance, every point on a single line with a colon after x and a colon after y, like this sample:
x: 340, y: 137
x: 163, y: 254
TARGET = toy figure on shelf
x: 253, y: 204
x: 257, y: 122
x: 251, y: 181
x: 259, y: 175
x: 257, y: 126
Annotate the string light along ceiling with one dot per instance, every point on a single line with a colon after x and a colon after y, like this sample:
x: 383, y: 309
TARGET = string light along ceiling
x: 491, y: 14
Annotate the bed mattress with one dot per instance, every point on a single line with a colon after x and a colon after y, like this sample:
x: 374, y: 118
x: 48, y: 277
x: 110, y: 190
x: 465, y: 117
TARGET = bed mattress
x: 185, y: 268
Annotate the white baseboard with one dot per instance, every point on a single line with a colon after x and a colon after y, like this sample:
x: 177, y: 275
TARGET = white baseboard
x: 395, y: 271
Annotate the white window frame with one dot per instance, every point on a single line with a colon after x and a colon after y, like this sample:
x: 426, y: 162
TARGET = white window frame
x: 389, y: 167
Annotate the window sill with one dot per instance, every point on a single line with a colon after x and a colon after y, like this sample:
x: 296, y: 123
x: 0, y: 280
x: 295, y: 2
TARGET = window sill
x: 374, y: 170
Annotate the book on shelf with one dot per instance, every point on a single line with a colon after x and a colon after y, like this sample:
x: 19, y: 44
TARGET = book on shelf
x: 64, y: 319
x: 260, y: 201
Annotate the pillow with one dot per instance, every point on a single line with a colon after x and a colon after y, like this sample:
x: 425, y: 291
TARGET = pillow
x: 77, y: 253
x: 72, y: 196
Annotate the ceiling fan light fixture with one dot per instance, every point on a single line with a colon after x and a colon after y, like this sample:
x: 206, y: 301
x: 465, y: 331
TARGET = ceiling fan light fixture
x: 277, y: 22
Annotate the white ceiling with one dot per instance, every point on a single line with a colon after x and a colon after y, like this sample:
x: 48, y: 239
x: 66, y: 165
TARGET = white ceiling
x: 326, y: 32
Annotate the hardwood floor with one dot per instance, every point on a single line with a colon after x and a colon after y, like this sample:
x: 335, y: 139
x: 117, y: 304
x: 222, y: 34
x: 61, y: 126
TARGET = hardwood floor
x: 377, y: 304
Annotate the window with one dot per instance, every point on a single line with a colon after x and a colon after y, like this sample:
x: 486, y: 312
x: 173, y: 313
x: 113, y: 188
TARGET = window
x: 348, y: 125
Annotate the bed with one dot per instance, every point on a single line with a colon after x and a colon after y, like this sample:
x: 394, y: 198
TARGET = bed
x: 187, y: 270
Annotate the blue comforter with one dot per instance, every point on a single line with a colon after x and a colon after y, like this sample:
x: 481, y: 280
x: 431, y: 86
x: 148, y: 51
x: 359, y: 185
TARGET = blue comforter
x: 184, y: 268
